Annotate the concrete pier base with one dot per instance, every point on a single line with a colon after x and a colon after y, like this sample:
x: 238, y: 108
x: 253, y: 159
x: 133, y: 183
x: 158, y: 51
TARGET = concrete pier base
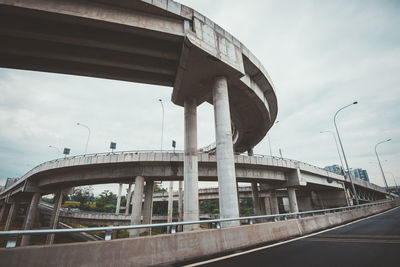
x: 274, y: 202
x: 293, y: 206
x: 128, y: 200
x: 228, y: 200
x: 170, y: 203
x: 256, y: 198
x: 180, y: 204
x: 267, y: 204
x: 191, y: 191
x: 30, y: 217
x: 137, y: 205
x: 118, y: 207
x: 148, y: 204
x: 2, y: 211
x: 54, y: 216
x: 12, y: 212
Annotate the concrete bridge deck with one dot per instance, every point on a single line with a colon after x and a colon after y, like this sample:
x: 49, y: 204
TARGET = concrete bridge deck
x: 155, y: 42
x: 122, y: 167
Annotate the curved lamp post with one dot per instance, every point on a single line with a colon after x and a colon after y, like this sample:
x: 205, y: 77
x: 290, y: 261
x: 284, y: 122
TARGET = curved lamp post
x: 269, y: 142
x: 87, y: 142
x: 58, y: 150
x: 344, y: 155
x: 380, y: 165
x: 395, y: 183
x: 337, y: 146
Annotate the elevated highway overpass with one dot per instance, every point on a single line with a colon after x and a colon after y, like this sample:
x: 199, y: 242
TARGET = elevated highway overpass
x: 165, y: 43
x: 157, y: 42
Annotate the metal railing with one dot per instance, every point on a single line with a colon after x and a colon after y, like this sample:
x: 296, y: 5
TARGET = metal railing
x: 13, y: 235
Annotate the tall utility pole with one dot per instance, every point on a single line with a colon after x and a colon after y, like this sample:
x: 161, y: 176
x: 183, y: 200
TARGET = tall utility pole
x: 87, y: 141
x: 344, y: 155
x: 337, y: 146
x: 380, y: 165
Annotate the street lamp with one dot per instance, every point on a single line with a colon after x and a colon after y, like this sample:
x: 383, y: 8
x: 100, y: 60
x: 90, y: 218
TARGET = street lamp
x: 269, y: 141
x: 380, y: 165
x: 87, y: 142
x: 344, y: 155
x: 337, y: 146
x: 162, y: 124
x: 58, y: 150
x: 395, y: 183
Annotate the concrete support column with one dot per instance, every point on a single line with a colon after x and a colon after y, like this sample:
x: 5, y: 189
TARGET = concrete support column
x: 274, y: 203
x: 180, y: 204
x: 3, y: 208
x: 256, y: 199
x: 148, y: 202
x: 118, y: 207
x: 30, y: 217
x: 228, y: 200
x: 128, y: 199
x: 267, y: 204
x: 137, y: 205
x: 190, y: 169
x: 293, y: 207
x: 12, y: 211
x: 238, y: 196
x: 170, y: 203
x: 54, y: 216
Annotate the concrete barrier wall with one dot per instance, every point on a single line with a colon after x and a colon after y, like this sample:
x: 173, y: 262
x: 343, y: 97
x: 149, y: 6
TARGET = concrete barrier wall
x: 166, y: 249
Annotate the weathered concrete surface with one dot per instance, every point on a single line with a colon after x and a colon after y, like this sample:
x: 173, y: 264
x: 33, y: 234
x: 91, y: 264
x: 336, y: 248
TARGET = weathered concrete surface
x: 30, y: 217
x: 191, y: 174
x: 228, y: 199
x: 137, y: 205
x: 119, y: 167
x: 167, y: 249
x: 156, y: 42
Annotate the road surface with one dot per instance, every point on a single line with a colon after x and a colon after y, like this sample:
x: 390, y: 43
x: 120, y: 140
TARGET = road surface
x: 371, y: 242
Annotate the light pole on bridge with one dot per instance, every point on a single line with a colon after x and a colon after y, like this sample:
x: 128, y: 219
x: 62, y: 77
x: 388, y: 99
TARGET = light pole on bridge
x: 87, y: 142
x: 380, y: 165
x: 269, y: 141
x: 344, y: 155
x: 58, y: 150
x: 337, y: 146
x: 395, y: 183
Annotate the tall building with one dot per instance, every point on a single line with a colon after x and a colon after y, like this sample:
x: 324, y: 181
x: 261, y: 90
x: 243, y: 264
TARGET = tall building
x: 360, y: 174
x: 335, y: 169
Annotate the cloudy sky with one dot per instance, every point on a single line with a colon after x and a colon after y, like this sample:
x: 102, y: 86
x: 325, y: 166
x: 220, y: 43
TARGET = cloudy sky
x: 321, y: 56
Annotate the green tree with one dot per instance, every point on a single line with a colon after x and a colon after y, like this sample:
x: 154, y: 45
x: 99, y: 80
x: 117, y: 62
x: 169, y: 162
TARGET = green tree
x: 158, y: 188
x: 83, y: 195
x: 106, y: 201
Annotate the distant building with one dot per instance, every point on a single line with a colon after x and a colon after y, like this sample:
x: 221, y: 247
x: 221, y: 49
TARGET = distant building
x: 335, y: 169
x: 360, y: 174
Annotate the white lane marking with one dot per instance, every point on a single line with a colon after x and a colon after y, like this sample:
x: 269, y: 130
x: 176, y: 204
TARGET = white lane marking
x: 284, y: 242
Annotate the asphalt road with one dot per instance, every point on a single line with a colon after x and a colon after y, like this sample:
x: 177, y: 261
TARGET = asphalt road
x: 371, y: 242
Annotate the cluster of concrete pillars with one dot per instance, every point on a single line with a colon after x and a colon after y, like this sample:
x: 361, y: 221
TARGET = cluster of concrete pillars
x: 30, y: 215
x: 269, y: 205
x: 135, y: 198
x: 228, y: 200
